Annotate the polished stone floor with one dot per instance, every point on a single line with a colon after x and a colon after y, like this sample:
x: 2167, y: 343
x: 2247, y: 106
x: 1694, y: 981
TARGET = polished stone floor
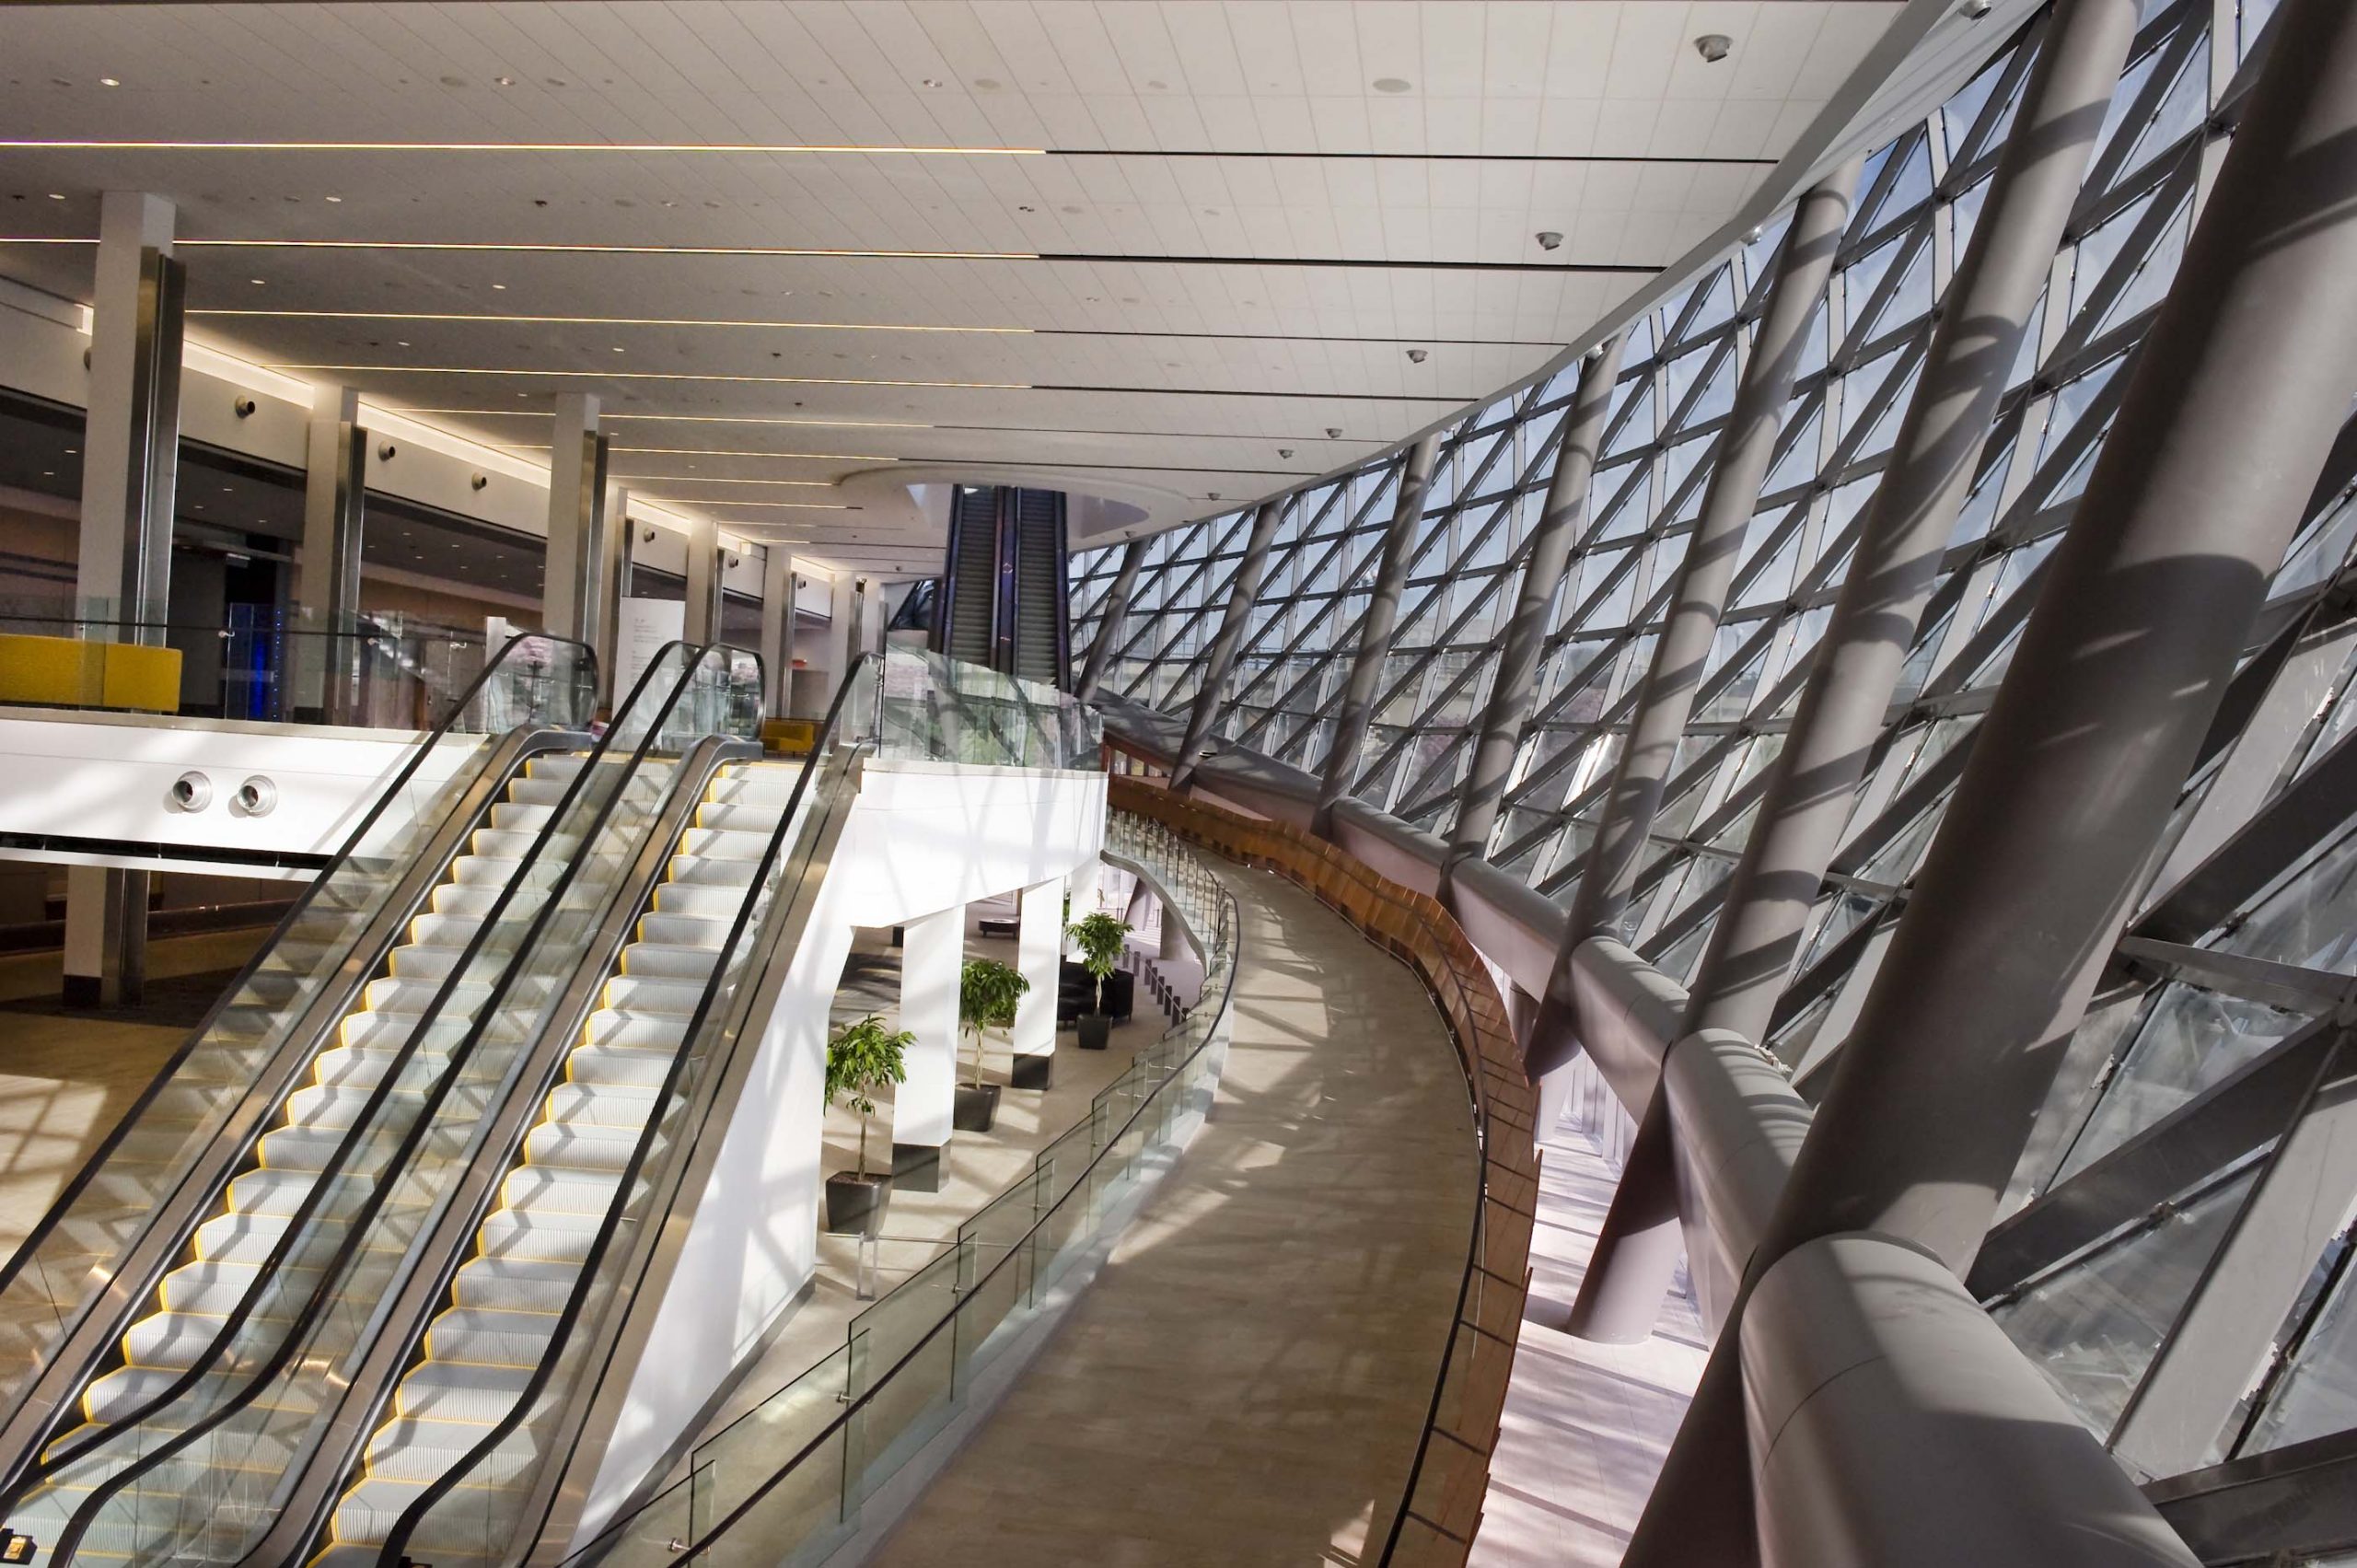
x: 1245, y: 1380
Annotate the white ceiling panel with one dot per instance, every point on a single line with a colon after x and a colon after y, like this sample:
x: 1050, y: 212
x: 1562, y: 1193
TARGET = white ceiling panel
x: 1228, y: 221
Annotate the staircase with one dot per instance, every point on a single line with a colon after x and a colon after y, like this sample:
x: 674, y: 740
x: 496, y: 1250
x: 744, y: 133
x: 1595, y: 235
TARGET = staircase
x: 506, y: 1304
x: 227, y: 1260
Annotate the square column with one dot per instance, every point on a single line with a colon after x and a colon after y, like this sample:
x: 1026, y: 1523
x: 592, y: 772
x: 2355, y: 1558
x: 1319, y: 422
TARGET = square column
x: 573, y: 596
x: 131, y: 437
x: 703, y: 581
x: 777, y: 629
x: 1039, y: 946
x: 932, y: 950
x: 326, y: 582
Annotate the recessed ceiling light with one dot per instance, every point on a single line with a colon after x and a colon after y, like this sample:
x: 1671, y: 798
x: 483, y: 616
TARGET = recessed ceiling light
x: 57, y: 195
x: 335, y: 198
x: 618, y: 348
x: 505, y: 81
x: 501, y: 286
x: 257, y: 282
x: 109, y: 82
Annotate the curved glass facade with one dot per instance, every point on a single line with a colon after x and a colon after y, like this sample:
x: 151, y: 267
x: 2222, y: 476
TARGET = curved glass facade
x: 2185, y: 1015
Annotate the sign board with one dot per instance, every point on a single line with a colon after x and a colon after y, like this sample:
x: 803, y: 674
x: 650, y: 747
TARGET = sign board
x: 645, y: 624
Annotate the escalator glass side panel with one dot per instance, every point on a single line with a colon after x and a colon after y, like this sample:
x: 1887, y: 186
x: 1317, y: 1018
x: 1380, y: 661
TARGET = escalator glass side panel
x: 225, y: 1380
x: 76, y: 1250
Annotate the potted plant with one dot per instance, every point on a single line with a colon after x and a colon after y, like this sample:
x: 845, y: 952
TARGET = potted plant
x: 1100, y: 938
x: 861, y: 1059
x: 987, y: 991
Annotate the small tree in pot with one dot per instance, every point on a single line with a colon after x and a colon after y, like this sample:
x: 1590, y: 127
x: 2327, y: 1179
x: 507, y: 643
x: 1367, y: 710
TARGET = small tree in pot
x: 861, y: 1059
x: 1100, y: 938
x: 987, y: 993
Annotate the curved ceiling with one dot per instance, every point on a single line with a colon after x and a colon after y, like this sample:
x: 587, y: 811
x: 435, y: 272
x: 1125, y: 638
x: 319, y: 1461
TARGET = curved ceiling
x: 1189, y: 252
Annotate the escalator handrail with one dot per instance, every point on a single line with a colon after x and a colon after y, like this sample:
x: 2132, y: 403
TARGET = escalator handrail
x: 58, y: 1210
x: 297, y: 1226
x: 396, y: 1540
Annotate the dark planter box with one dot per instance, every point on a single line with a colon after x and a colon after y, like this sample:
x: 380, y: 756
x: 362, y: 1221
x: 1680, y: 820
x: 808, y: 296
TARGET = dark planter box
x: 1032, y: 1072
x: 916, y: 1168
x: 974, y: 1109
x: 855, y: 1203
x: 1096, y: 1028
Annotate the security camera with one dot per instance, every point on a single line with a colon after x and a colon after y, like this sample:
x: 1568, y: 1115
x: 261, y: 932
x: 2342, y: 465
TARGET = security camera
x: 1417, y: 357
x: 243, y: 407
x: 478, y: 482
x: 385, y: 451
x: 1285, y: 451
x: 1713, y: 46
x: 1551, y: 240
x: 1973, y: 10
x: 1333, y: 433
x: 647, y: 538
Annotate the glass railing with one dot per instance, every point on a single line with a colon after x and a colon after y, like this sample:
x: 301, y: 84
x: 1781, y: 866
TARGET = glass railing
x: 74, y: 1251
x: 194, y: 1473
x: 381, y: 670
x: 787, y: 1480
x: 475, y: 1508
x: 937, y: 708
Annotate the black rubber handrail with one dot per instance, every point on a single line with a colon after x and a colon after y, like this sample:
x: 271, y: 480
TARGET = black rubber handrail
x: 299, y: 1223
x: 397, y: 1540
x: 59, y: 1210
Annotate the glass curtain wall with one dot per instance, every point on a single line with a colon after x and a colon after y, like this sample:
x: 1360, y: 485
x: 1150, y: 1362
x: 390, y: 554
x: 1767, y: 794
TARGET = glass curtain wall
x: 2259, y: 863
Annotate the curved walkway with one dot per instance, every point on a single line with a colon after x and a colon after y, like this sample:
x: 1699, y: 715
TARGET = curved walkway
x: 1245, y: 1381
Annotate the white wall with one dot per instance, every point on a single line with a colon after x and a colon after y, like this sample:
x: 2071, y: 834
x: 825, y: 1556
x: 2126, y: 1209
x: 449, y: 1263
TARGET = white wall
x: 107, y: 778
x: 920, y: 838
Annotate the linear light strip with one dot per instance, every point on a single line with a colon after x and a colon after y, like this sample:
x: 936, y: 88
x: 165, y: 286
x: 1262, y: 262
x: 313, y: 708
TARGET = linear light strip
x: 572, y: 247
x: 766, y: 505
x: 724, y: 148
x: 654, y: 376
x: 493, y: 318
x: 707, y: 451
x: 716, y: 479
x: 696, y: 418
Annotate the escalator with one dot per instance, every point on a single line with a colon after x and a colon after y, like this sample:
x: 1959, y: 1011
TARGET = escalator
x: 1042, y: 608
x: 488, y: 1432
x: 969, y: 603
x: 1006, y: 603
x: 233, y: 1321
x: 506, y: 1301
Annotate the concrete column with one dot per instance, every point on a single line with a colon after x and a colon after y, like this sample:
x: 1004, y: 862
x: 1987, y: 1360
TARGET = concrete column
x: 703, y: 581
x: 777, y: 627
x: 106, y: 937
x: 1039, y: 952
x: 933, y: 948
x: 1810, y: 786
x: 1172, y: 945
x: 614, y: 579
x: 1375, y: 631
x: 1804, y: 263
x: 573, y: 595
x: 131, y: 437
x: 1561, y: 519
x: 1222, y: 659
x: 123, y: 556
x: 1109, y: 627
x: 327, y: 584
x: 2230, y: 408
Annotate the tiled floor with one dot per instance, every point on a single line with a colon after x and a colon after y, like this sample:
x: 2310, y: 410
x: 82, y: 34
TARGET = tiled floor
x: 1245, y: 1380
x: 1586, y: 1425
